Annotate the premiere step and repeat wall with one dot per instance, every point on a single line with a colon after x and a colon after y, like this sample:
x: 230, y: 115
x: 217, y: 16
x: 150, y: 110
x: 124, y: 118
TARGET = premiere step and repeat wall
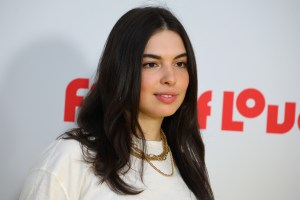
x: 248, y: 56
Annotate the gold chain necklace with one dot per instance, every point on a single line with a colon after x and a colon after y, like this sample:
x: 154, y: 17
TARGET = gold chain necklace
x: 158, y: 170
x: 135, y: 151
x: 139, y: 153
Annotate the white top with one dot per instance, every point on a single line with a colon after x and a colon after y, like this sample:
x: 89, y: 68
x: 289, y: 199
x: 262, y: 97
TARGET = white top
x: 61, y: 174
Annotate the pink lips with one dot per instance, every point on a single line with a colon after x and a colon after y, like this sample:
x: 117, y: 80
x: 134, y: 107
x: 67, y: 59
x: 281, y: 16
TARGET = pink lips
x: 166, y: 97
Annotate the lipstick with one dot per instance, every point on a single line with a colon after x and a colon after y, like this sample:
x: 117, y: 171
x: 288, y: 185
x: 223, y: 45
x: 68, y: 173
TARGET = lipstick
x: 167, y: 98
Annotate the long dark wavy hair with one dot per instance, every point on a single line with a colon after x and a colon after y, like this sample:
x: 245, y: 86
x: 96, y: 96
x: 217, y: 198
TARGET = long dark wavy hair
x: 104, y: 125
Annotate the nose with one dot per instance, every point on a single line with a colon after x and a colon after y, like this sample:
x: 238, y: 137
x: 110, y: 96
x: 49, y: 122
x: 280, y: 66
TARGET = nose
x: 168, y: 75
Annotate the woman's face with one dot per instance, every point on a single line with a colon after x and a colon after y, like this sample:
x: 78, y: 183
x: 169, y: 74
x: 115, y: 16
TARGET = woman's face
x: 164, y: 75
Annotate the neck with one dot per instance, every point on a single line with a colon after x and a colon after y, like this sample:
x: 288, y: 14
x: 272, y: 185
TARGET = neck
x: 150, y: 127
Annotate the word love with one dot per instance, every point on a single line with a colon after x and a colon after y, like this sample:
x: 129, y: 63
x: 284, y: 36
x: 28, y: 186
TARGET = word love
x: 229, y: 107
x: 248, y: 112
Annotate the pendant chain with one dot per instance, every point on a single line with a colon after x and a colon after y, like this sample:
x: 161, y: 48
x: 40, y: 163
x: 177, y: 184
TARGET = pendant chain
x: 158, y: 170
x: 135, y: 151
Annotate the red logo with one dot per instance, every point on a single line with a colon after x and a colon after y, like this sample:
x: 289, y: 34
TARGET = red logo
x: 72, y: 100
x: 273, y: 126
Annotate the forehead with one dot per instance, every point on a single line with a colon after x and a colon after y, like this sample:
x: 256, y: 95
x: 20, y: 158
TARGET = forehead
x: 165, y: 42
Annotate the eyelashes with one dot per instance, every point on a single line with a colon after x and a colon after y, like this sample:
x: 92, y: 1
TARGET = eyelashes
x: 179, y: 64
x: 150, y: 65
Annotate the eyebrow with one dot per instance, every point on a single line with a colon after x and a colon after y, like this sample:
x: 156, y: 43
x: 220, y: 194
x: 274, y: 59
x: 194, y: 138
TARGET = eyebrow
x: 159, y: 57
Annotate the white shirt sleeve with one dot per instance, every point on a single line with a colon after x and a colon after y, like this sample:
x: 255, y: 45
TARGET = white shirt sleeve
x: 58, y: 174
x: 43, y: 185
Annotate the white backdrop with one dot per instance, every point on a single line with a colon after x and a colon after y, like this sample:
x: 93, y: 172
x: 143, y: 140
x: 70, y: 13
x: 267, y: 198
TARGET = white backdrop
x: 248, y: 55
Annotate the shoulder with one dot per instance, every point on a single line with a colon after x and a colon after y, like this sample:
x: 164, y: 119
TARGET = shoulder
x: 59, y: 173
x: 68, y: 146
x: 59, y: 152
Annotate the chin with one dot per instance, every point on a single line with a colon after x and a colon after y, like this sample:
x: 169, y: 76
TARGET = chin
x: 168, y: 113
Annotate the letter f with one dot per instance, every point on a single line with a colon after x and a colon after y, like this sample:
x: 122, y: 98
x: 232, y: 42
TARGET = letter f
x: 72, y: 100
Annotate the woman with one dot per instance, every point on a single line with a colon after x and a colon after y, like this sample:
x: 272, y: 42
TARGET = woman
x: 138, y: 136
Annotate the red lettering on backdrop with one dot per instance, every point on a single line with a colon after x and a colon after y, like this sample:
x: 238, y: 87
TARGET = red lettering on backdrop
x: 289, y: 119
x: 72, y: 100
x: 246, y: 95
x: 227, y: 122
x: 204, y: 110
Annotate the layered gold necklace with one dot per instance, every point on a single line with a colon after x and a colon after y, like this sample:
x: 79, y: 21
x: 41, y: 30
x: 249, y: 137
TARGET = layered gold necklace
x: 135, y: 151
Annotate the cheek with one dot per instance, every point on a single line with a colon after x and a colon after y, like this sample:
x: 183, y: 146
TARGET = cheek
x: 146, y: 83
x: 185, y: 81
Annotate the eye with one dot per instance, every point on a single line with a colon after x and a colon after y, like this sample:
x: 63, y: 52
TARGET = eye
x: 181, y: 64
x: 150, y: 65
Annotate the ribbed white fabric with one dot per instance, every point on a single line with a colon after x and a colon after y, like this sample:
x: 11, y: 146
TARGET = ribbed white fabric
x: 61, y: 174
